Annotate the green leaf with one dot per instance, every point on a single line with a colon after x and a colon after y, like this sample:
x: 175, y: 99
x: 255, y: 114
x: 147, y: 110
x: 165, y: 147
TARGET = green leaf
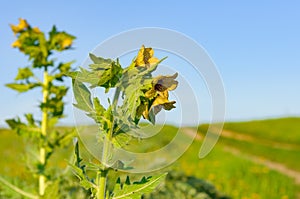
x: 72, y: 74
x: 65, y: 67
x: 54, y: 106
x: 80, y: 172
x: 100, y: 60
x: 58, y: 91
x: 109, y: 73
x: 136, y: 189
x: 53, y: 31
x: 133, y: 93
x: 30, y: 119
x: 82, y: 96
x: 99, y: 110
x: 84, y: 182
x: 97, y: 105
x: 22, y: 129
x: 24, y: 73
x: 22, y: 87
x: 103, y: 72
x: 64, y: 70
x: 86, y: 76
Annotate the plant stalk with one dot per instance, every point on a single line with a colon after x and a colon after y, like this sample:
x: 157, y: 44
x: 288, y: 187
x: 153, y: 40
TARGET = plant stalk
x: 102, y: 174
x: 102, y: 177
x: 42, y: 178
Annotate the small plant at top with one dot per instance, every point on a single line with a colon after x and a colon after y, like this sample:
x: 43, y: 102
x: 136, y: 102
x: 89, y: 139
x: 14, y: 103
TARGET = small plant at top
x: 40, y: 134
x: 137, y: 94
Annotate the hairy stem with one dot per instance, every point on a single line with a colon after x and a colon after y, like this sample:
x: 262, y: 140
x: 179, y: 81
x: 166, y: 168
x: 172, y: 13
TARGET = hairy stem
x: 42, y: 179
x: 102, y: 174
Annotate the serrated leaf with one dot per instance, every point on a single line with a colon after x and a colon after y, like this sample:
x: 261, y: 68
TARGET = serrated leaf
x: 22, y: 129
x: 82, y: 96
x: 104, y: 73
x: 137, y: 189
x: 127, y: 181
x: 24, y: 73
x: 108, y: 71
x: 30, y: 119
x: 99, y: 60
x: 80, y: 170
x: 84, y: 182
x: 84, y: 75
x: 118, y: 186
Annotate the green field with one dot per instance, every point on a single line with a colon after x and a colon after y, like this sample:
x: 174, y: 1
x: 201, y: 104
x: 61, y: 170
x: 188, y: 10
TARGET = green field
x: 232, y: 174
x: 284, y: 130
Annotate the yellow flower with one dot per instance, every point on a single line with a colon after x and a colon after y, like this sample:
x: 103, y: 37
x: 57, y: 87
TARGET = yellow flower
x: 67, y: 42
x: 145, y: 57
x: 161, y: 84
x: 16, y: 44
x: 162, y: 101
x: 36, y: 30
x: 20, y: 27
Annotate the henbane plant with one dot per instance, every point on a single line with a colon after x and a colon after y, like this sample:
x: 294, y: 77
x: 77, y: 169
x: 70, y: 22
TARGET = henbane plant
x: 40, y: 134
x: 137, y: 94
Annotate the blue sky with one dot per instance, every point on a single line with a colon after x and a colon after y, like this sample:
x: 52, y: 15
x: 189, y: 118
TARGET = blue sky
x: 254, y: 44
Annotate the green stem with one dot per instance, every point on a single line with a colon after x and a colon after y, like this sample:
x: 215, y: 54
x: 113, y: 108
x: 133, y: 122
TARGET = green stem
x: 42, y: 179
x: 101, y: 181
x: 102, y: 174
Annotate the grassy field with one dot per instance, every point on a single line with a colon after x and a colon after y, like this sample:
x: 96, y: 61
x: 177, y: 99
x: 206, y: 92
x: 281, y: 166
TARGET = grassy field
x: 275, y: 139
x: 284, y: 130
x: 232, y: 174
x: 286, y: 157
x: 236, y: 176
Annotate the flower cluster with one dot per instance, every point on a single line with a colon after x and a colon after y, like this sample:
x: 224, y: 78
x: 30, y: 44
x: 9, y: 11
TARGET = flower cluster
x: 24, y: 31
x: 158, y: 94
x: 31, y: 41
